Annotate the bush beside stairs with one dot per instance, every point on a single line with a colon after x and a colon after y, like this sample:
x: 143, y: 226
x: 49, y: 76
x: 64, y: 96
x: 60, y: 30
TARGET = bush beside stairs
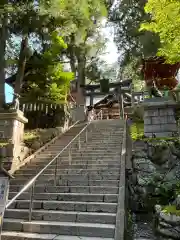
x: 83, y: 204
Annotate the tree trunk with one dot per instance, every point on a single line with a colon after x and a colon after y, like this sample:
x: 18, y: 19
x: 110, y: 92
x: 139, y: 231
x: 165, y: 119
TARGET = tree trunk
x: 71, y: 50
x: 21, y: 65
x: 81, y: 77
x: 3, y: 39
x: 73, y: 63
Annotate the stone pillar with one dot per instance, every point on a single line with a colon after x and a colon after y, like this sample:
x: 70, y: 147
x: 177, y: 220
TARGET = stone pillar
x: 159, y: 117
x: 11, y: 136
x: 79, y: 113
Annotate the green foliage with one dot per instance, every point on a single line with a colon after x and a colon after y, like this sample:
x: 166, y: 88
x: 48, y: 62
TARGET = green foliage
x: 137, y: 131
x: 132, y: 44
x: 127, y: 17
x: 172, y: 191
x: 165, y: 192
x: 171, y: 209
x: 57, y: 45
x: 46, y: 24
x: 52, y: 83
x: 165, y: 21
x: 160, y: 190
x: 99, y: 69
x: 129, y: 70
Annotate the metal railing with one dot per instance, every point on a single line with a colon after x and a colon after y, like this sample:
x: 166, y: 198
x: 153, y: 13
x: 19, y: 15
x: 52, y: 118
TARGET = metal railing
x: 31, y: 184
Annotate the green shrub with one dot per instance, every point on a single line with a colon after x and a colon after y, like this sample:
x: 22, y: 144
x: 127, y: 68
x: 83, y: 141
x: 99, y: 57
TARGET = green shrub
x: 137, y: 131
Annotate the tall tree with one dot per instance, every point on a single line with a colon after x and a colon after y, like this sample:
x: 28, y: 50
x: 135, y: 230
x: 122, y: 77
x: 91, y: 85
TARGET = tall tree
x: 31, y: 22
x: 127, y: 17
x: 87, y: 25
x: 165, y: 21
x: 133, y: 45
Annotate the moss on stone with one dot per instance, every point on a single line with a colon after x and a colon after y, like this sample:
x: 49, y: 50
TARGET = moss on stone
x: 137, y: 131
x: 171, y: 209
x: 35, y: 139
x: 3, y: 144
x: 30, y: 135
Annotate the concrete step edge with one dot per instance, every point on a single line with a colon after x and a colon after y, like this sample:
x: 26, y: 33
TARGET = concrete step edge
x: 77, y: 186
x: 63, y: 212
x: 54, y: 223
x: 67, y: 202
x: 36, y: 236
x: 82, y: 194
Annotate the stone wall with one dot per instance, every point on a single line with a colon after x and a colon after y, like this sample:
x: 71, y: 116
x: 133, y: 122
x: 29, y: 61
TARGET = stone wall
x: 159, y: 119
x: 11, y: 136
x: 167, y: 224
x: 155, y: 167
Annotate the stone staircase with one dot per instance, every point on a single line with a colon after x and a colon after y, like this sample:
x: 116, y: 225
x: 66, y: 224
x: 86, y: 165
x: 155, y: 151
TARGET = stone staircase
x: 83, y: 204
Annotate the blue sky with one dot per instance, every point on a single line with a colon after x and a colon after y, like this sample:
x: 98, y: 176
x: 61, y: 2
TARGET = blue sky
x: 8, y: 92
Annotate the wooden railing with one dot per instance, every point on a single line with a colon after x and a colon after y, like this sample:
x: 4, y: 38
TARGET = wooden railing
x: 38, y: 106
x: 43, y: 115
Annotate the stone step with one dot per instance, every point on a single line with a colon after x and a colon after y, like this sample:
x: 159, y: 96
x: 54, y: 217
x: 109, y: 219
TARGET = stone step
x: 83, y: 204
x: 74, y: 164
x: 79, y: 156
x: 74, y: 159
x: 79, y: 160
x: 62, y: 216
x: 61, y: 182
x: 91, y: 141
x: 35, y: 169
x: 99, y: 136
x: 69, y: 171
x: 63, y: 169
x: 77, y: 197
x: 95, y: 144
x: 61, y: 228
x: 92, y: 154
x: 88, y: 154
x: 92, y: 150
x: 95, y: 137
x: 35, y: 236
x: 90, y: 144
x: 66, y: 206
x: 85, y: 147
x: 91, y: 159
x: 78, y: 152
x: 72, y: 177
x: 110, y: 140
x: 73, y: 189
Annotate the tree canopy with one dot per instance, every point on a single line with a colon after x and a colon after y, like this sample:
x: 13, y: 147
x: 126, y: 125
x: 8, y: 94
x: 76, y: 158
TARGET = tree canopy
x: 58, y: 31
x: 165, y: 21
x: 133, y: 45
x: 127, y: 17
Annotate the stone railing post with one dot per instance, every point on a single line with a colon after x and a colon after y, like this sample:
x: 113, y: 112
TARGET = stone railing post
x: 159, y: 117
x: 11, y: 134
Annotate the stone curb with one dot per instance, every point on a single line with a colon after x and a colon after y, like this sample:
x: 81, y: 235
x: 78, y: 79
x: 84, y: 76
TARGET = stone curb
x: 120, y: 217
x: 40, y: 150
